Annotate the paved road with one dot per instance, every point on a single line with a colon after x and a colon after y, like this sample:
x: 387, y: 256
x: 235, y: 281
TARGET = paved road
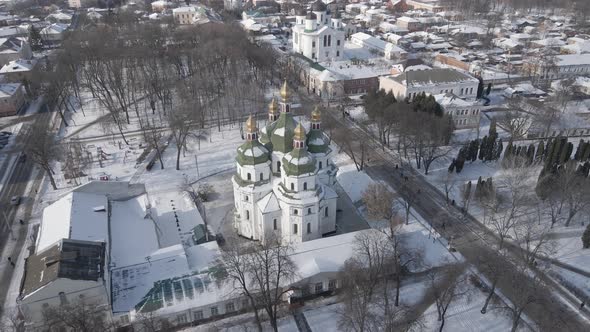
x: 473, y: 240
x: 16, y: 185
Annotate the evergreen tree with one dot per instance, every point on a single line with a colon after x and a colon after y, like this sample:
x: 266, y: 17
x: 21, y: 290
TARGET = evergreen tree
x: 540, y: 152
x: 579, y: 150
x: 498, y: 149
x: 492, y: 146
x: 452, y: 166
x: 35, y: 39
x: 473, y: 149
x: 482, y: 147
x: 508, y: 155
x: 586, y: 153
x: 586, y: 238
x: 492, y: 132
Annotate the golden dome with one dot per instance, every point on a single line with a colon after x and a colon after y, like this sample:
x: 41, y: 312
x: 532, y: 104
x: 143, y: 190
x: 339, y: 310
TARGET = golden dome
x: 251, y: 124
x: 285, y: 91
x: 316, y: 115
x: 299, y: 133
x: 273, y: 107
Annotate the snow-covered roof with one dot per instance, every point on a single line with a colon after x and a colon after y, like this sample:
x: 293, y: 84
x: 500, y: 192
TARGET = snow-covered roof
x: 73, y: 217
x: 7, y: 90
x: 269, y: 203
x: 54, y: 29
x: 18, y: 66
x: 432, y: 77
x: 573, y: 59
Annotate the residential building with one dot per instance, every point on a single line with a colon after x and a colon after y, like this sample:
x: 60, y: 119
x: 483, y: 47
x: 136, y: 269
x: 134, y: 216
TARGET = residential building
x: 283, y: 182
x: 53, y: 33
x: 22, y: 71
x: 465, y: 114
x: 59, y: 17
x: 194, y: 15
x: 431, y: 82
x: 558, y: 67
x: 318, y: 35
x: 429, y: 5
x: 409, y: 23
x: 161, y: 5
x: 387, y: 50
x: 75, y: 3
x: 10, y: 49
x: 12, y: 98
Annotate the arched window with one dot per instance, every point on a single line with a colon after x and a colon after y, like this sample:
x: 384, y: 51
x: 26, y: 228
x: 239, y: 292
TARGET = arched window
x: 278, y: 166
x: 295, y: 211
x: 274, y: 224
x: 326, y: 212
x: 308, y: 210
x: 329, y: 40
x: 325, y: 41
x: 249, y: 176
x: 292, y: 186
x: 261, y: 176
x: 320, y: 165
x: 247, y: 215
x: 294, y: 228
x: 308, y: 228
x: 304, y: 185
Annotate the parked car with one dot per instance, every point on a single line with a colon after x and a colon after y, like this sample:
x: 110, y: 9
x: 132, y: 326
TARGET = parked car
x: 15, y: 200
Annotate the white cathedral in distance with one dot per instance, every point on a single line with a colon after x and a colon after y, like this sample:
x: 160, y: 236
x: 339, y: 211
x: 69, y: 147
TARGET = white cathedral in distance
x: 284, y: 176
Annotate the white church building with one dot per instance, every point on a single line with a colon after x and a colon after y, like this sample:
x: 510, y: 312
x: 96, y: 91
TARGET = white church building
x: 284, y: 176
x: 319, y: 35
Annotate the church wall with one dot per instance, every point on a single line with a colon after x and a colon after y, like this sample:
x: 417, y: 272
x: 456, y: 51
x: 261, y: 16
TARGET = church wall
x: 329, y: 222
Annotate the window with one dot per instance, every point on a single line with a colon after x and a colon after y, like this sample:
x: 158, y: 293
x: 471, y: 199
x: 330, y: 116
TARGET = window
x: 332, y: 284
x: 125, y: 319
x: 308, y: 210
x: 278, y: 166
x: 329, y: 40
x: 295, y: 212
x: 181, y: 319
x: 63, y: 300
x: 304, y: 185
x: 214, y: 311
x: 274, y: 224
x: 337, y: 53
x: 249, y: 176
x: 229, y: 307
x: 338, y: 42
x: 320, y: 165
x: 198, y: 315
x: 247, y: 215
x: 326, y: 212
x: 292, y: 186
x: 319, y: 287
x: 261, y: 176
x: 461, y: 92
x: 308, y: 228
x: 312, y: 44
x: 246, y: 198
x: 294, y: 228
x: 325, y: 41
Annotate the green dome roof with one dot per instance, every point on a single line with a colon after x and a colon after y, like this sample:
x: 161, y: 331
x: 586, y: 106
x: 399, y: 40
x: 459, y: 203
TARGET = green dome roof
x: 316, y: 143
x: 281, y: 136
x: 264, y: 136
x: 298, y: 162
x: 252, y: 153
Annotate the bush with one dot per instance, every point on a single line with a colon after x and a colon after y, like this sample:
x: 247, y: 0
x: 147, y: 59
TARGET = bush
x: 586, y: 237
x: 205, y: 191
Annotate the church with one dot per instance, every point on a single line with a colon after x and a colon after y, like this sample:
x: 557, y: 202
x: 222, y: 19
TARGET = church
x: 319, y: 35
x: 284, y: 177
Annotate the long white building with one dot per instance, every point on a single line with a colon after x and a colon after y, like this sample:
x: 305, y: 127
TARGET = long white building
x: 431, y: 82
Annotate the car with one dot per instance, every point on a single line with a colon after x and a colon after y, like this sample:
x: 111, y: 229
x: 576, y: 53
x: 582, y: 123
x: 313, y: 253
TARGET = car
x: 15, y: 200
x: 22, y: 158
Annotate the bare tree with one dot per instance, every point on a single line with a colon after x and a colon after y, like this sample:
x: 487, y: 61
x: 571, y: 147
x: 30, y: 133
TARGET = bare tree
x: 77, y: 316
x: 515, y: 123
x: 40, y: 144
x: 356, y: 149
x: 492, y: 266
x: 449, y: 184
x: 446, y: 286
x: 181, y: 122
x: 271, y: 267
x: 234, y: 268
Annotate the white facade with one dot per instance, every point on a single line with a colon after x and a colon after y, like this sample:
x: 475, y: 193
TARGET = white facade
x: 282, y: 186
x: 319, y: 36
x: 74, y: 3
x: 184, y: 15
x: 564, y: 66
x: 431, y: 82
x: 387, y: 49
x: 465, y: 114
